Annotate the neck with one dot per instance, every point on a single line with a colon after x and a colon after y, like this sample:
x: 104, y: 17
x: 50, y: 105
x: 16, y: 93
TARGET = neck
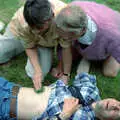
x: 31, y: 104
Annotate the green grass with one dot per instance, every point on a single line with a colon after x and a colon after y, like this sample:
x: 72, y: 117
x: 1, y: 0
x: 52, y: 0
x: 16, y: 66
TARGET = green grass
x: 7, y: 8
x: 14, y: 70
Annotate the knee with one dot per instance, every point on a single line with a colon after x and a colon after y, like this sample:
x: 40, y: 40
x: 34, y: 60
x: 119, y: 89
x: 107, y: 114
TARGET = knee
x: 110, y: 73
x: 30, y: 71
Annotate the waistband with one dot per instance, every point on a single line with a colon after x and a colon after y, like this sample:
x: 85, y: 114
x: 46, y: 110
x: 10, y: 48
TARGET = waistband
x: 13, y: 101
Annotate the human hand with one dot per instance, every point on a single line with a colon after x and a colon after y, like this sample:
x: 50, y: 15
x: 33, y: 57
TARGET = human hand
x: 56, y: 72
x: 69, y: 107
x: 37, y: 80
x: 65, y: 78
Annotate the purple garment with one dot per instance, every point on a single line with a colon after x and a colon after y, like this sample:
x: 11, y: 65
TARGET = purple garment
x: 107, y: 41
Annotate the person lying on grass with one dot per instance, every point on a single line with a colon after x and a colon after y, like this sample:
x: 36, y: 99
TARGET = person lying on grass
x: 79, y: 101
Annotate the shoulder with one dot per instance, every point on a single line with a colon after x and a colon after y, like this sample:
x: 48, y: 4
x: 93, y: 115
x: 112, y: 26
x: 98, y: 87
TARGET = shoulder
x: 18, y: 23
x: 57, y: 5
x: 19, y: 15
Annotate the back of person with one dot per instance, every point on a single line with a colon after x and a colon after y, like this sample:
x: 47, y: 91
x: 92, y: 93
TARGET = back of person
x: 101, y: 14
x: 108, y: 33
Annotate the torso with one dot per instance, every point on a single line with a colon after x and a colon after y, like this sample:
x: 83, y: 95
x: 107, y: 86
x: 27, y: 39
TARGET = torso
x: 31, y: 104
x: 20, y: 28
x: 107, y: 35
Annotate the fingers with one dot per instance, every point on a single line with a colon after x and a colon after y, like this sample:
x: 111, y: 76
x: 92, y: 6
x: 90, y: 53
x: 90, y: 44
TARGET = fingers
x: 65, y: 79
x: 73, y: 101
x: 70, y: 106
x: 56, y: 72
x: 76, y: 103
x: 59, y: 74
x: 37, y: 84
x: 37, y: 81
x: 65, y: 82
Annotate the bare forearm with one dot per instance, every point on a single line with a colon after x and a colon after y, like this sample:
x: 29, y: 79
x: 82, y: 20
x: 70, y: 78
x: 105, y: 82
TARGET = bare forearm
x: 33, y: 57
x: 69, y: 107
x: 67, y: 59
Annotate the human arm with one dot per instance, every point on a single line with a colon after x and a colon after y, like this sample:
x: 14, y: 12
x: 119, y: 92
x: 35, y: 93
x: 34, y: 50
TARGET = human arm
x: 69, y: 107
x: 33, y: 57
x: 67, y: 63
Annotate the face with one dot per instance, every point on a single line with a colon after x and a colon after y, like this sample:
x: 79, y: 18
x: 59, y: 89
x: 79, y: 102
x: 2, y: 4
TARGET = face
x: 108, y: 109
x: 45, y: 25
x: 70, y: 36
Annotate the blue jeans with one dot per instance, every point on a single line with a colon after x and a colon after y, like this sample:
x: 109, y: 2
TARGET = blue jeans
x: 45, y: 61
x: 5, y: 95
x: 9, y: 46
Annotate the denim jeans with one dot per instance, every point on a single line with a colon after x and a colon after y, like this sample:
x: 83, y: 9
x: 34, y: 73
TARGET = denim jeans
x: 5, y: 95
x: 45, y: 60
x: 9, y: 46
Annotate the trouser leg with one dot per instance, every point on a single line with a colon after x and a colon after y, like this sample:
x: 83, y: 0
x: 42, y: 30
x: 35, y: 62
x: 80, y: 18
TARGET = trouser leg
x: 111, y: 67
x: 8, y: 98
x: 45, y: 60
x: 9, y: 46
x: 83, y: 66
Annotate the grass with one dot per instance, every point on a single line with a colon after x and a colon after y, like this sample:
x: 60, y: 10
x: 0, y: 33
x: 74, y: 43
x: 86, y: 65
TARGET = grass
x: 14, y: 70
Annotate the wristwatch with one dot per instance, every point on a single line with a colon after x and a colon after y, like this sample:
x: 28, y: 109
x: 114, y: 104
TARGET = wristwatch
x: 66, y: 74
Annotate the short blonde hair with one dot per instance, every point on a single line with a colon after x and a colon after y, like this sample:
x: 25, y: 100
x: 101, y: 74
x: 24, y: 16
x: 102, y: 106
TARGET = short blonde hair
x: 72, y: 19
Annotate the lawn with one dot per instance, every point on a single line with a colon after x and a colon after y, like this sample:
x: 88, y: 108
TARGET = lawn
x: 14, y: 70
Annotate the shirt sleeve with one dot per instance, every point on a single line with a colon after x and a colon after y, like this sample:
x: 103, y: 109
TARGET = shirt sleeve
x: 22, y: 33
x: 88, y: 89
x: 19, y: 28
